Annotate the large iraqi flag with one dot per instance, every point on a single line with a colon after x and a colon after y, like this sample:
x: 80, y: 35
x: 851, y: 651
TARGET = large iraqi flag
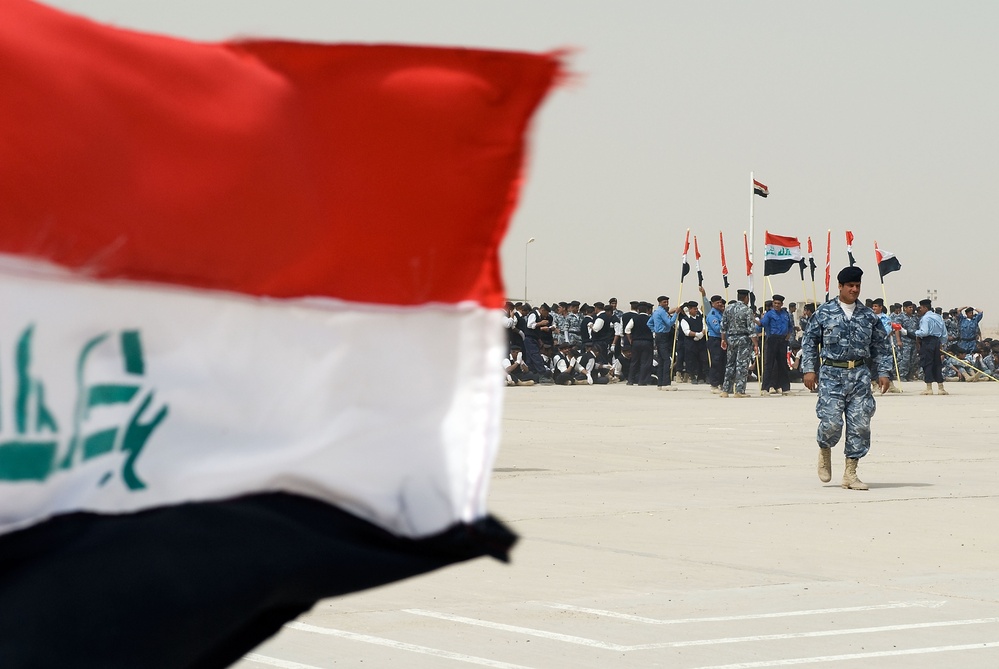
x: 780, y: 253
x: 249, y: 345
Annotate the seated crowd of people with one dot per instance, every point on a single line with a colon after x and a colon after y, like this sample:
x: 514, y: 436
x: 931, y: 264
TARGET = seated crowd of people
x: 570, y: 343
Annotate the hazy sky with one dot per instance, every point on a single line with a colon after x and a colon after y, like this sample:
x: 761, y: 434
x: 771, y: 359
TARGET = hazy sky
x: 878, y: 117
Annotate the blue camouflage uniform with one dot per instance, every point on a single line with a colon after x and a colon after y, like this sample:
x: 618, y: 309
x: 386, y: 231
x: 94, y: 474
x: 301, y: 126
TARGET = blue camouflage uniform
x: 967, y: 331
x: 845, y: 391
x: 737, y: 328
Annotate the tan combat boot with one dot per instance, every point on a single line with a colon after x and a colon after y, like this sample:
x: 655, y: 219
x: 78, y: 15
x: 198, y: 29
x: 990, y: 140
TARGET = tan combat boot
x: 825, y: 464
x: 929, y: 389
x: 893, y: 388
x: 940, y: 390
x: 850, y: 479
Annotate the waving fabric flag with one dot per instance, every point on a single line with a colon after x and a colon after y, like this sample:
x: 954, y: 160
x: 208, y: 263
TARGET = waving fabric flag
x: 780, y: 254
x: 828, y: 258
x: 811, y: 260
x: 685, y: 270
x: 760, y: 189
x: 849, y: 248
x: 887, y: 262
x: 697, y: 263
x: 749, y: 270
x: 721, y: 243
x: 205, y: 252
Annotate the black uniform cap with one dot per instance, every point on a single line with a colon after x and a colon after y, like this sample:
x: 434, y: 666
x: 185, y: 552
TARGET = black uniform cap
x: 779, y: 297
x: 742, y: 292
x: 850, y: 274
x: 908, y: 303
x: 926, y: 303
x: 879, y: 301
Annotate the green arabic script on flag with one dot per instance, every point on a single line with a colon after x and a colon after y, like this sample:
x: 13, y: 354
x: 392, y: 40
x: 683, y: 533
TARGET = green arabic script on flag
x: 33, y: 453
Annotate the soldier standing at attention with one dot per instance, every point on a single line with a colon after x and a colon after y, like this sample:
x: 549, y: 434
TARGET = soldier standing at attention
x: 738, y: 339
x: 908, y: 359
x: 849, y: 334
x: 777, y: 324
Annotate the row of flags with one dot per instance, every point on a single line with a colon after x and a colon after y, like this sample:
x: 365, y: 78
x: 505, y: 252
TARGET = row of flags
x: 781, y: 253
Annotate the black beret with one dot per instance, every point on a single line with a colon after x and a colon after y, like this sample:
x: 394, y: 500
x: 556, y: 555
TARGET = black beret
x: 908, y: 303
x: 716, y: 298
x: 879, y: 301
x: 850, y: 274
x: 661, y: 298
x: 926, y: 303
x: 743, y: 292
x: 778, y: 297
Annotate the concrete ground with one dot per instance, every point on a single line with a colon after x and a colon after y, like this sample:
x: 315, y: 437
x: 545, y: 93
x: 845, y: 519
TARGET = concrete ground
x: 682, y: 530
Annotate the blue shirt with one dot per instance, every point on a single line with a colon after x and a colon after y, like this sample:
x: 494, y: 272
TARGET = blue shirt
x: 776, y: 322
x: 712, y: 319
x: 931, y: 325
x: 661, y: 321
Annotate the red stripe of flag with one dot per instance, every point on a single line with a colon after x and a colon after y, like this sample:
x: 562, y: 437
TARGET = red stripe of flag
x: 267, y: 168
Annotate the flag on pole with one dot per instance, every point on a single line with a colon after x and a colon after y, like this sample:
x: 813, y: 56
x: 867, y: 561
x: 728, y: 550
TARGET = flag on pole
x: 697, y: 263
x: 760, y: 189
x: 721, y: 243
x: 749, y: 270
x: 811, y: 260
x: 887, y: 262
x: 685, y: 270
x: 780, y: 253
x: 849, y: 248
x: 828, y: 257
x: 204, y: 438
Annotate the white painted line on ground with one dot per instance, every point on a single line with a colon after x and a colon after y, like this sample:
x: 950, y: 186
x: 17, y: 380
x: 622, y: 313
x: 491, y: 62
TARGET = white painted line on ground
x: 621, y: 648
x: 854, y: 656
x: 580, y: 641
x: 398, y: 645
x: 752, y: 616
x: 275, y: 662
x: 820, y: 633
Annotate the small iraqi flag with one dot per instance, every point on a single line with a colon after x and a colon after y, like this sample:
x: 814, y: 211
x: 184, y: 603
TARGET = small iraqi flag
x: 887, y: 262
x: 760, y: 189
x: 849, y: 248
x: 685, y: 269
x: 206, y: 253
x: 780, y: 254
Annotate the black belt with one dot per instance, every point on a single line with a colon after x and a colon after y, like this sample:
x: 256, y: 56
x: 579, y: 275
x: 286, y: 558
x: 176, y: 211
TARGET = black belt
x: 846, y: 364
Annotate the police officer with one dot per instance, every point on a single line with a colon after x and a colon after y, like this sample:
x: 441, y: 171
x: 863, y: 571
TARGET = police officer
x: 931, y: 334
x: 714, y: 310
x: 662, y: 324
x: 777, y: 325
x: 908, y: 359
x: 847, y: 333
x: 738, y: 340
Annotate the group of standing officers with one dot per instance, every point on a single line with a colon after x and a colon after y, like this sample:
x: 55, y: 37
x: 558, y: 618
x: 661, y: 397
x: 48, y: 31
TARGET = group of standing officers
x: 847, y: 350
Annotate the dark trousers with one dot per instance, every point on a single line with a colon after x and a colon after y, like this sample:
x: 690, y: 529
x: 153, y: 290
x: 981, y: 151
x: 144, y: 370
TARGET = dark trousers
x: 664, y: 354
x: 775, y: 363
x: 716, y: 358
x: 929, y: 359
x: 641, y: 362
x: 695, y: 358
x: 532, y: 356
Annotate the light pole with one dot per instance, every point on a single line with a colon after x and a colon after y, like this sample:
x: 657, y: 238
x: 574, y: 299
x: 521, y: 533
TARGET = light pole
x: 525, y: 267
